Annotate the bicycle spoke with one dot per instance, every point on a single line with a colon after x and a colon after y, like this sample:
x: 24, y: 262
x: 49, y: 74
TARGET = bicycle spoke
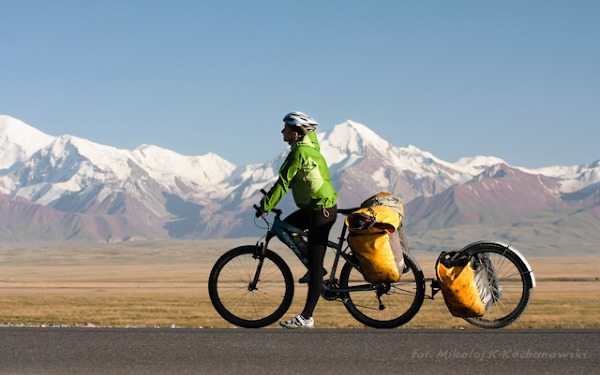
x: 507, y: 284
x: 242, y: 301
x: 384, y: 305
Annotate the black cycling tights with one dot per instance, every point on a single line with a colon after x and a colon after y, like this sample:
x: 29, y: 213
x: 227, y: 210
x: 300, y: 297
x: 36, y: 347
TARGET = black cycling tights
x: 319, y: 224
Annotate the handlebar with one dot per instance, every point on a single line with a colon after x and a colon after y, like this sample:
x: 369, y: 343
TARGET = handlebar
x: 277, y: 211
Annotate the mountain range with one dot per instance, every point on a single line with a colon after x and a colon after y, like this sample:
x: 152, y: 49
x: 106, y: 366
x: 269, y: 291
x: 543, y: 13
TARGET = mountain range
x: 69, y: 188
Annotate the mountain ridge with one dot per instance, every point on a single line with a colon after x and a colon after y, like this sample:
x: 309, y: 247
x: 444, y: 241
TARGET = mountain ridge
x: 153, y: 192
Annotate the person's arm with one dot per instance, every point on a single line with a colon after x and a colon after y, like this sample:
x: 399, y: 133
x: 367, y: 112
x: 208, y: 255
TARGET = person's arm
x: 286, y: 173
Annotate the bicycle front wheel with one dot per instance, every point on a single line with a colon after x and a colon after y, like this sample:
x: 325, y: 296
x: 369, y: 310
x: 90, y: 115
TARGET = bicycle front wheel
x: 508, y: 282
x: 236, y: 298
x: 387, y: 305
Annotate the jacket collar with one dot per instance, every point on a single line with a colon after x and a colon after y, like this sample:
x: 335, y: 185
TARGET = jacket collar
x: 309, y: 140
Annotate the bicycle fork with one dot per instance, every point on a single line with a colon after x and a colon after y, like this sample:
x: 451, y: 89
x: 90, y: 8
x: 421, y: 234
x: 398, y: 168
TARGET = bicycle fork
x: 261, y: 248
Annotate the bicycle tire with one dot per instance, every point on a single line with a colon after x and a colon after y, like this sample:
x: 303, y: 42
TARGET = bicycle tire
x: 229, y: 291
x: 399, y: 304
x: 510, y: 285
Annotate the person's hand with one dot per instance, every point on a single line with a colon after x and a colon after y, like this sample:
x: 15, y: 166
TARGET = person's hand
x: 259, y: 212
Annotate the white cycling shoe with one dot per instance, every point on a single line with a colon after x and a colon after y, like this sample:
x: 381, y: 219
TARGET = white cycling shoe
x: 298, y: 322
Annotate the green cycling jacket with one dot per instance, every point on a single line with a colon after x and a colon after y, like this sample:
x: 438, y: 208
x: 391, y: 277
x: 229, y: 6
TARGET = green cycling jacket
x: 305, y: 172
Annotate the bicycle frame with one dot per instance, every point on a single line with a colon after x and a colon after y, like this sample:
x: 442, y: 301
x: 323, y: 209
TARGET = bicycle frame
x: 283, y: 231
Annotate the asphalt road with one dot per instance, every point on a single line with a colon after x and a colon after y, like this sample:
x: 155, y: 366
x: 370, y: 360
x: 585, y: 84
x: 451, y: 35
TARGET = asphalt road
x: 277, y: 351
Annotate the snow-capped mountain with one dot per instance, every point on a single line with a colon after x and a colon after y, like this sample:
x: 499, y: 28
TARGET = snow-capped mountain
x: 72, y: 174
x: 83, y: 190
x: 18, y: 141
x: 358, y: 154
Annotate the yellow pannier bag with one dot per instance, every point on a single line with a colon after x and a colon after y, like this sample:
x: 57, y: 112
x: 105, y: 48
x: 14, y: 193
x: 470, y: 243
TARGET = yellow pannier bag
x: 375, y: 257
x: 457, y: 282
x: 375, y: 242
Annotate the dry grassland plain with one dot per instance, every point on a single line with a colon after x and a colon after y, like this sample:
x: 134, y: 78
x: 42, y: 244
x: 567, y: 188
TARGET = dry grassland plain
x: 159, y: 284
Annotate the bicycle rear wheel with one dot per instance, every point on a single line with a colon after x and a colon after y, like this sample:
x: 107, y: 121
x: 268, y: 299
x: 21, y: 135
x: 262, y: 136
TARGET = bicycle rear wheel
x: 243, y: 304
x: 509, y: 284
x: 388, y: 305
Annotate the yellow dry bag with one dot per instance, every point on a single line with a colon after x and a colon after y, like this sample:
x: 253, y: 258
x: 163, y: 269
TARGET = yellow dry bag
x: 457, y: 282
x: 375, y: 242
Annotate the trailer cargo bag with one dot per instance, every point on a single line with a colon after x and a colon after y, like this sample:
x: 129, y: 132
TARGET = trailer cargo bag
x: 459, y: 285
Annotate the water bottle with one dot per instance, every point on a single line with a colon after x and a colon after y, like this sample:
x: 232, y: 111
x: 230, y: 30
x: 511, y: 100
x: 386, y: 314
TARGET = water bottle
x: 302, y: 245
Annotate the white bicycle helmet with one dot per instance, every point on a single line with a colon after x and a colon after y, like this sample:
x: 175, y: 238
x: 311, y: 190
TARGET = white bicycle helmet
x: 299, y: 118
x: 302, y: 121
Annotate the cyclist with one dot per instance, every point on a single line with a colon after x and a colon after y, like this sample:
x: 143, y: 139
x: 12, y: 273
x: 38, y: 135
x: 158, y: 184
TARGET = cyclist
x: 305, y: 172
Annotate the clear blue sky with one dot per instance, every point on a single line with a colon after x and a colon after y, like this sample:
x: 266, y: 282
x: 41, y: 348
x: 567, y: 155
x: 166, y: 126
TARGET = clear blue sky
x: 519, y: 80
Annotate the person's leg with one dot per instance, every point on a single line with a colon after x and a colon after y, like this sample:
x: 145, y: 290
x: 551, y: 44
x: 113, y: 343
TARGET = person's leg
x: 299, y: 218
x: 302, y: 219
x: 318, y: 234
